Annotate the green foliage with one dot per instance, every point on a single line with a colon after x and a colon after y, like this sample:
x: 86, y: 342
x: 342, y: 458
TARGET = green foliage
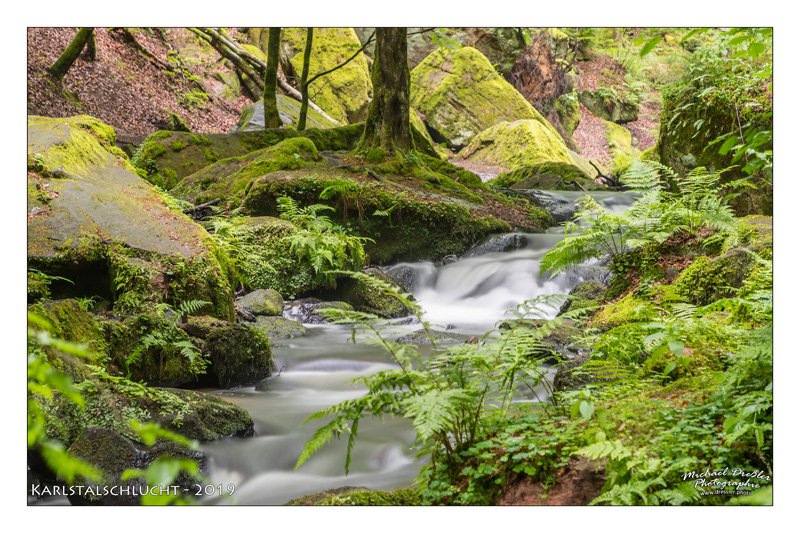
x: 448, y: 394
x: 321, y: 243
x: 656, y: 216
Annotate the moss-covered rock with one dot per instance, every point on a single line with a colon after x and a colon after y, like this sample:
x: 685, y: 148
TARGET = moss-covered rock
x: 152, y: 349
x: 610, y: 104
x: 586, y: 294
x: 519, y: 143
x: 277, y: 327
x: 345, y: 93
x: 231, y: 179
x: 238, y: 354
x: 629, y: 308
x: 709, y: 279
x: 568, y: 110
x: 266, y: 302
x: 546, y: 176
x: 460, y: 94
x: 620, y: 147
x: 252, y: 116
x: 307, y: 310
x: 103, y: 227
x: 361, y: 496
x: 113, y: 453
x: 158, y: 160
x: 370, y: 300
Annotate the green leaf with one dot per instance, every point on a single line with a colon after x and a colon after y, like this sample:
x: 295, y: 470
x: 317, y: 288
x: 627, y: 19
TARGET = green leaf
x: 728, y: 145
x: 649, y: 45
x: 586, y: 409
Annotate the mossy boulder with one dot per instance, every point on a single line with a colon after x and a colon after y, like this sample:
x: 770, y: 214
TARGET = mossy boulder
x: 232, y: 179
x: 165, y: 158
x: 266, y: 302
x: 151, y: 348
x: 586, y: 294
x: 361, y: 496
x: 520, y: 143
x: 629, y: 308
x: 708, y: 279
x: 345, y: 93
x: 568, y: 110
x: 113, y: 453
x: 558, y: 345
x: 94, y: 221
x: 574, y: 374
x: 546, y: 176
x: 610, y: 104
x: 368, y: 299
x: 238, y: 354
x: 277, y: 327
x: 460, y: 94
x: 620, y: 147
x: 307, y: 310
x: 114, y: 402
x: 252, y: 116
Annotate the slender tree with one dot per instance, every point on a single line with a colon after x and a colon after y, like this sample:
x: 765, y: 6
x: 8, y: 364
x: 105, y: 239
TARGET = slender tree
x: 59, y: 69
x: 301, y: 120
x: 387, y: 125
x: 271, y: 117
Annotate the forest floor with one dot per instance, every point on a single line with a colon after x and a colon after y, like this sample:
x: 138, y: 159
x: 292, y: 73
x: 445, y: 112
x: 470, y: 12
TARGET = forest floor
x: 127, y: 89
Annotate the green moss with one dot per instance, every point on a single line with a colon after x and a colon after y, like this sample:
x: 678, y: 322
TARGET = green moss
x: 619, y: 147
x: 707, y: 280
x: 516, y: 144
x: 178, y: 145
x: 164, y: 166
x: 344, y: 94
x: 370, y: 300
x: 460, y: 94
x: 239, y: 355
x: 277, y: 327
x: 231, y: 179
x: 568, y: 109
x: 626, y: 309
x: 610, y: 104
x: 558, y: 176
x: 267, y: 302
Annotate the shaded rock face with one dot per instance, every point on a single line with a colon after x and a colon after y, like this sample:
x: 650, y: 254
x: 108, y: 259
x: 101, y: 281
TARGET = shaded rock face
x: 460, y: 94
x: 498, y: 243
x: 239, y: 354
x: 584, y: 294
x: 113, y: 453
x: 547, y: 176
x: 261, y: 302
x: 92, y: 217
x: 609, y: 105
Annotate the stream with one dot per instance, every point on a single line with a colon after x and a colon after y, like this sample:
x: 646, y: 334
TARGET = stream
x: 469, y: 295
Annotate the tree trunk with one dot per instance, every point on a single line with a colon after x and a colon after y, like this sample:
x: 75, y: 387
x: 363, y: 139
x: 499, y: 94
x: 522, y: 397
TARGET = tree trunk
x: 301, y: 120
x: 91, y: 46
x: 271, y: 117
x: 59, y: 69
x: 387, y: 124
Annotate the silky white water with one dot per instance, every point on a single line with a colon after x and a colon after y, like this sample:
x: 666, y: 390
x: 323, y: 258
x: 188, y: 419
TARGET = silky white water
x: 468, y: 296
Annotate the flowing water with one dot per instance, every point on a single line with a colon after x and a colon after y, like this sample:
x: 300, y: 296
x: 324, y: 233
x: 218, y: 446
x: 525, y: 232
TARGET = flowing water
x: 469, y: 295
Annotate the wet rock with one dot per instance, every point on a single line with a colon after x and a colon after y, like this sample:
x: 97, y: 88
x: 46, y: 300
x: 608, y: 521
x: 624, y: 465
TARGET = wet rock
x: 364, y: 297
x: 305, y: 310
x: 585, y: 294
x: 498, y: 243
x: 276, y: 327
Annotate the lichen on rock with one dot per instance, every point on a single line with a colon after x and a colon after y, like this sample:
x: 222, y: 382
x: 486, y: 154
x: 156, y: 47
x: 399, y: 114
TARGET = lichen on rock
x: 460, y: 94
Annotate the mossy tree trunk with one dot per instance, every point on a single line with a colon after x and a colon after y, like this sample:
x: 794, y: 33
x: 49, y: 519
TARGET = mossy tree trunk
x: 59, y: 69
x: 301, y: 120
x: 271, y: 117
x: 387, y: 127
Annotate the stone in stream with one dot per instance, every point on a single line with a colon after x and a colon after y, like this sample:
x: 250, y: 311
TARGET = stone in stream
x: 239, y: 354
x: 261, y: 302
x: 507, y: 242
x: 442, y: 337
x: 277, y: 327
x: 305, y: 310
